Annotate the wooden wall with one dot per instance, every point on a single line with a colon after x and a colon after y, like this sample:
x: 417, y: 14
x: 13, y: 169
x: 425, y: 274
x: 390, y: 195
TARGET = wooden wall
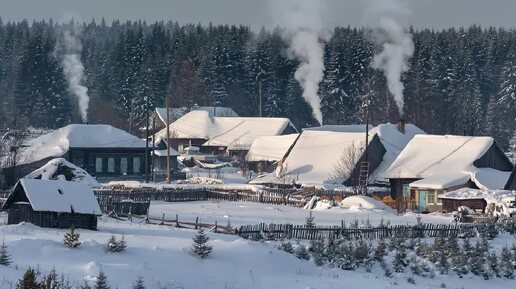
x: 18, y: 213
x: 450, y: 205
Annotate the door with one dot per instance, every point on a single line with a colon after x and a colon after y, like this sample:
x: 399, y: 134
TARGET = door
x: 421, y: 204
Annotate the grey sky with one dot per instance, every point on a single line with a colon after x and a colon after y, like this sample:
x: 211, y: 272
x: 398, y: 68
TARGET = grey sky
x: 425, y: 13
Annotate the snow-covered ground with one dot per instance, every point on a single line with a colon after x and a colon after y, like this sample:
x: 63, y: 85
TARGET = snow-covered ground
x: 162, y: 256
x: 245, y: 213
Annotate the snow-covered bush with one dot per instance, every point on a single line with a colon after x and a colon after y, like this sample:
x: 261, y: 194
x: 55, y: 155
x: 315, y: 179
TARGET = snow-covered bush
x: 71, y: 238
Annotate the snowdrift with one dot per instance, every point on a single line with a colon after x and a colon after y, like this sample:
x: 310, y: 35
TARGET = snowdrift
x: 363, y: 202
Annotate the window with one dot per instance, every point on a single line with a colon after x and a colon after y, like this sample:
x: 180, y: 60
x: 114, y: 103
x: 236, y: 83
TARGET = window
x: 111, y: 165
x: 123, y: 165
x: 98, y: 165
x: 406, y: 192
x: 180, y: 148
x: 136, y: 165
x: 430, y: 197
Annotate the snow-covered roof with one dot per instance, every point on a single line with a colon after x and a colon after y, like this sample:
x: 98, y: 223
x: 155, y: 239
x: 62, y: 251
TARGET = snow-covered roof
x: 315, y: 154
x: 394, y: 142
x: 177, y: 112
x: 58, y: 142
x: 469, y: 193
x: 163, y: 153
x: 60, y: 196
x: 237, y: 133
x: 270, y: 148
x: 444, y: 161
x: 340, y: 128
x: 51, y: 170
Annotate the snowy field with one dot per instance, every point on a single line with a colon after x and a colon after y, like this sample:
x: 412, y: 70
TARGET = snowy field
x: 162, y: 255
x: 245, y: 213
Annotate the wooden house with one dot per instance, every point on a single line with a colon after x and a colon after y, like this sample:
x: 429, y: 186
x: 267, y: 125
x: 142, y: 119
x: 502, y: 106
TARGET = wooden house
x: 159, y: 115
x: 431, y: 165
x: 103, y: 151
x: 267, y: 151
x: 333, y: 155
x: 52, y: 204
x: 222, y: 135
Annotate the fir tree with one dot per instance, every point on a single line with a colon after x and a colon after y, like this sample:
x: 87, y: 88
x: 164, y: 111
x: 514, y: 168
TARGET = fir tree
x: 85, y: 285
x: 459, y: 263
x: 301, y: 252
x: 5, y: 258
x: 287, y: 247
x: 29, y: 280
x: 139, y: 284
x: 491, y: 266
x: 399, y: 263
x: 310, y: 220
x: 112, y: 244
x: 200, y: 245
x: 102, y: 282
x: 317, y: 252
x: 71, y: 238
x: 380, y: 250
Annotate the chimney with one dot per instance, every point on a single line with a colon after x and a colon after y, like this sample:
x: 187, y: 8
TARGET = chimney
x: 401, y: 125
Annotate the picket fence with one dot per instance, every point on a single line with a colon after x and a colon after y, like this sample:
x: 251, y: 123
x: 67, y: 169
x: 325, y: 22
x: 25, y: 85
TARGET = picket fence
x: 304, y: 232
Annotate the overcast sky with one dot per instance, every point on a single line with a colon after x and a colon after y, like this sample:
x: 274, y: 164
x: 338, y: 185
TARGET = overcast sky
x: 256, y: 13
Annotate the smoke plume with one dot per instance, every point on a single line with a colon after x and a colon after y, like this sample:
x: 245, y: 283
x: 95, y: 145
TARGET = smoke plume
x: 303, y: 30
x: 397, y: 45
x: 69, y: 50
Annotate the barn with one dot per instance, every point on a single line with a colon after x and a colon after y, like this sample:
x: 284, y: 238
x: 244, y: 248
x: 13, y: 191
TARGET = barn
x: 53, y: 204
x: 431, y: 165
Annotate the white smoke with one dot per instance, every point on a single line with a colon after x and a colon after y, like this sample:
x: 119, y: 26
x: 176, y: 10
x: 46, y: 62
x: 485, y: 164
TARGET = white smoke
x: 69, y: 48
x: 397, y: 45
x: 302, y: 21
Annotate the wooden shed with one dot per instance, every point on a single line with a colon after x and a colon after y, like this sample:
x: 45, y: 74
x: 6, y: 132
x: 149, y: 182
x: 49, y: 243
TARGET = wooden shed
x: 53, y: 204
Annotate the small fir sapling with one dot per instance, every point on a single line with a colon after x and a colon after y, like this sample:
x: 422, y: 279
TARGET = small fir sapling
x: 506, y: 267
x: 5, y: 257
x: 71, y: 238
x: 139, y: 284
x: 310, y: 220
x: 200, y: 245
x: 102, y: 282
x: 301, y: 252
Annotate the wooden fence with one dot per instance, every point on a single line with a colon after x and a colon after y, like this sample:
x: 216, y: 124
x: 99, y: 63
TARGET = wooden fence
x: 302, y: 232
x: 108, y: 198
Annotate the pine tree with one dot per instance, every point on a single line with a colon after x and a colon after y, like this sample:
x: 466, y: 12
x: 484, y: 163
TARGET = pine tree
x: 345, y: 256
x: 506, y: 266
x: 5, y: 258
x: 29, y: 280
x: 139, y: 284
x: 71, y: 238
x: 492, y: 266
x: 122, y: 244
x: 102, y: 282
x: 200, y: 244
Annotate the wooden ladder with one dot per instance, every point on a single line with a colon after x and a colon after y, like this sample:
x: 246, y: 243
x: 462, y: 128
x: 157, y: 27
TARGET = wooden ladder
x: 363, y: 176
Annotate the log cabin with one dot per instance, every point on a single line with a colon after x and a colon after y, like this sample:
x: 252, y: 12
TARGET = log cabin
x: 431, y: 165
x: 53, y: 204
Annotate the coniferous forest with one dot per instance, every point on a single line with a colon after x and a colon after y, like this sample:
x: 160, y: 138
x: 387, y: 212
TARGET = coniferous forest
x: 461, y: 80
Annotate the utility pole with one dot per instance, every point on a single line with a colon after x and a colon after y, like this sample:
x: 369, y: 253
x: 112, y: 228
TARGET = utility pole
x: 147, y: 140
x: 153, y: 148
x: 168, y: 139
x: 260, y: 96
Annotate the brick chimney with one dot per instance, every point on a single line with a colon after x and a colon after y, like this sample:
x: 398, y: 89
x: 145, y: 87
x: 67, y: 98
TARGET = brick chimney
x: 401, y: 125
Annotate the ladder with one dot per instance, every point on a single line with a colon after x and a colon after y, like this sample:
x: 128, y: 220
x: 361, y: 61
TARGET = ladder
x: 363, y: 176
